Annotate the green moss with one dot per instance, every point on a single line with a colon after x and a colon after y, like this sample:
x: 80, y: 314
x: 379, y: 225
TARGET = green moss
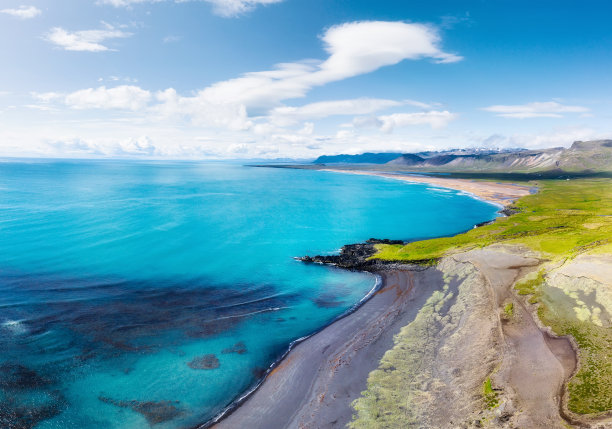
x: 530, y: 286
x: 509, y: 310
x: 590, y: 390
x: 489, y: 395
x: 394, y: 390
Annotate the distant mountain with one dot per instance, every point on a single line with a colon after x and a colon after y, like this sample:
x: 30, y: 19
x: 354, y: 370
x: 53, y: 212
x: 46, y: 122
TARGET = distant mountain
x: 407, y: 159
x: 581, y: 156
x: 364, y: 158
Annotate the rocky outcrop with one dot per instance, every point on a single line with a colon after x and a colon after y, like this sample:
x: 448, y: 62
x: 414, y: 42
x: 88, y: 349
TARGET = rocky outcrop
x: 354, y: 256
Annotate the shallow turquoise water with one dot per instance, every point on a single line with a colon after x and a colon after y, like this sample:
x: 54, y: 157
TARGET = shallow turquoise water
x: 115, y: 276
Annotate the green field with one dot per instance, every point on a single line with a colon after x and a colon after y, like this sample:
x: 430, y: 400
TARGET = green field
x: 564, y: 219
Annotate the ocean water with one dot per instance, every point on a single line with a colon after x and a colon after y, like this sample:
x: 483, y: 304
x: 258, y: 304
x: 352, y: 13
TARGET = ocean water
x: 154, y: 294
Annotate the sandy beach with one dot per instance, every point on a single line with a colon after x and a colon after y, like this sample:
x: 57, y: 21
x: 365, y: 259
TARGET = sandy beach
x: 499, y: 193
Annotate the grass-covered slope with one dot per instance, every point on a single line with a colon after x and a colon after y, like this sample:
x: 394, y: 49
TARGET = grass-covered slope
x: 564, y: 222
x: 562, y: 306
x: 566, y: 218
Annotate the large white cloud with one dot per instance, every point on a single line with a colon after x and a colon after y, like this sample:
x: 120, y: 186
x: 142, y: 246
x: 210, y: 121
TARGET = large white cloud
x: 225, y: 8
x: 547, y: 109
x: 23, y: 12
x: 354, y: 49
x: 86, y: 40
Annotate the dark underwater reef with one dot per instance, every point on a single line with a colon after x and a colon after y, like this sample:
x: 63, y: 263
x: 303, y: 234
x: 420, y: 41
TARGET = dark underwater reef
x: 88, y: 321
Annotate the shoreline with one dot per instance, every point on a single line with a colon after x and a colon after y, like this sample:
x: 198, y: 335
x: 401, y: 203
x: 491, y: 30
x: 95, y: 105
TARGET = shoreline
x: 503, y: 196
x: 499, y: 194
x: 327, y: 367
x: 236, y: 404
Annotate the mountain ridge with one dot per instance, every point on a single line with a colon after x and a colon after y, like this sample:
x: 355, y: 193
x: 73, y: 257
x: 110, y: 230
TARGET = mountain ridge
x: 595, y: 155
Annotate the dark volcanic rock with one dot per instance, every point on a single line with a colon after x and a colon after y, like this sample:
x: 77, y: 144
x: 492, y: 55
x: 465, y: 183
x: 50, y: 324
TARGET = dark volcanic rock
x: 489, y: 222
x: 204, y: 362
x: 509, y: 211
x: 383, y: 241
x: 154, y: 412
x: 353, y: 256
x: 238, y: 348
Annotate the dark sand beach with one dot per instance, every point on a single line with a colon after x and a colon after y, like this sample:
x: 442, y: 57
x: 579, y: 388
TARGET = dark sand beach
x: 315, y: 384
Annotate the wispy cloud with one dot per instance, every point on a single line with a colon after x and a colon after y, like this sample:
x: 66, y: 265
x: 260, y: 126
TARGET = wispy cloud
x: 86, y: 40
x: 288, y: 115
x: 387, y: 123
x: 23, y: 12
x: 225, y: 8
x: 125, y: 97
x: 562, y: 136
x: 171, y: 39
x: 548, y: 109
x: 354, y: 49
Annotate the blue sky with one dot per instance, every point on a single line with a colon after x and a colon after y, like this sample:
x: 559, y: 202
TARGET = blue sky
x: 299, y: 78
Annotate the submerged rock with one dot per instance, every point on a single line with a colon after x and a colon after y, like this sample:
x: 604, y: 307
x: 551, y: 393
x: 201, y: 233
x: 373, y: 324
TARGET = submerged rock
x: 209, y: 361
x: 19, y: 412
x: 154, y: 411
x: 258, y: 372
x: 238, y: 348
x: 327, y: 300
x: 18, y: 377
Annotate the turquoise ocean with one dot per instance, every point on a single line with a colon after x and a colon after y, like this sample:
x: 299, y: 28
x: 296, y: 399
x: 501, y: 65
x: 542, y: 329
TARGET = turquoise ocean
x: 154, y: 294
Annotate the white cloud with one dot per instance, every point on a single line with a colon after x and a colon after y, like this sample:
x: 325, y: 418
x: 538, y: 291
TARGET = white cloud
x: 548, y: 109
x: 354, y: 48
x: 23, y: 12
x: 87, y: 40
x: 201, y: 111
x: 46, y: 97
x: 126, y: 97
x: 171, y: 39
x: 132, y: 147
x: 287, y: 115
x: 225, y: 8
x: 246, y: 116
x: 560, y: 137
x: 387, y: 123
x: 229, y: 8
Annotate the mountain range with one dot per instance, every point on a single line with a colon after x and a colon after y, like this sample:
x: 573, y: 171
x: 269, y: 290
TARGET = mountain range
x: 592, y: 156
